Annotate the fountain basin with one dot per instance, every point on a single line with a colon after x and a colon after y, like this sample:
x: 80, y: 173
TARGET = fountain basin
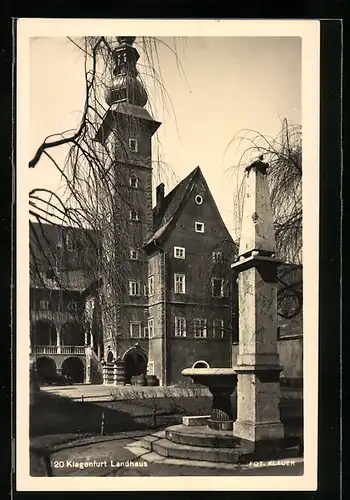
x: 221, y: 382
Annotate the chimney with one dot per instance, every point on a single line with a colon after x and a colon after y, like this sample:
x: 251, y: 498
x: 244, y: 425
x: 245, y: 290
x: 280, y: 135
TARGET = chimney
x: 160, y: 196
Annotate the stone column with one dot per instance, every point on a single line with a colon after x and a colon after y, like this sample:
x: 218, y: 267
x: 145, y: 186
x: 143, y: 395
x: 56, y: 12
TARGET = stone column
x: 104, y: 372
x: 88, y: 365
x: 115, y: 373
x: 58, y: 331
x: 258, y: 369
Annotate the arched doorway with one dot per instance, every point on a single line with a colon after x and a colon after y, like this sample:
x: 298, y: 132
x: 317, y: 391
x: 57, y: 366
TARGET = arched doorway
x: 72, y: 333
x: 135, y: 363
x: 46, y: 368
x: 44, y: 333
x: 110, y: 356
x: 73, y: 368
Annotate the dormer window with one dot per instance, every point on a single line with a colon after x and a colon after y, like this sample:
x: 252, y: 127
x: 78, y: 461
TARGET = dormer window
x: 134, y: 181
x: 199, y: 227
x: 198, y: 199
x: 133, y: 145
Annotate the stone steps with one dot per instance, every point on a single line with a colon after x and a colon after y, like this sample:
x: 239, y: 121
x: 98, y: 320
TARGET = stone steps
x: 166, y: 448
x: 201, y: 436
x: 182, y: 442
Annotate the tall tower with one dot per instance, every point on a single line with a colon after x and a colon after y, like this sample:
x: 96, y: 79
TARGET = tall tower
x: 126, y: 132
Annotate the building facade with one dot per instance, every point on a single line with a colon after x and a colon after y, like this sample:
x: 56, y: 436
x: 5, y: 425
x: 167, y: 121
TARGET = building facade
x: 190, y: 287
x: 61, y: 270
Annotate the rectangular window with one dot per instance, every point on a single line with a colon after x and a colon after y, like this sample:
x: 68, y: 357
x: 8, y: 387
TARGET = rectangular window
x: 179, y: 252
x: 200, y: 328
x: 218, y: 328
x: 151, y: 327
x: 199, y: 227
x: 70, y: 244
x: 133, y: 145
x: 217, y: 257
x: 146, y: 332
x: 134, y: 215
x: 179, y: 283
x: 226, y: 288
x: 145, y: 290
x: 180, y: 327
x: 44, y: 305
x: 150, y: 368
x: 72, y: 306
x: 50, y: 274
x: 150, y: 285
x: 135, y: 329
x: 134, y: 181
x: 134, y: 288
x: 217, y: 285
x: 134, y: 254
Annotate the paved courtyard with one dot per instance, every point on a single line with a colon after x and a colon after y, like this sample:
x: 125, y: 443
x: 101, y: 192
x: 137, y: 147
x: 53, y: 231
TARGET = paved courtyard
x: 113, y: 456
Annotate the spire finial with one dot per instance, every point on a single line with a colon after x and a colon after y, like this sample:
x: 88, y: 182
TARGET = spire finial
x: 126, y: 86
x: 128, y: 40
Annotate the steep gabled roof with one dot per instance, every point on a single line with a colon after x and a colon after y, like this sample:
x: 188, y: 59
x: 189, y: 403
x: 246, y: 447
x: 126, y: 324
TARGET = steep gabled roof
x: 173, y: 201
x: 47, y: 245
x: 173, y: 204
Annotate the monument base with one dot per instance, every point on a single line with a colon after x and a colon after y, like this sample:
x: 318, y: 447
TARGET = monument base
x: 199, y: 443
x: 220, y: 425
x: 254, y: 432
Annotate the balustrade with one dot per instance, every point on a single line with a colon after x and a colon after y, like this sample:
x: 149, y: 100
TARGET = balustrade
x: 63, y: 349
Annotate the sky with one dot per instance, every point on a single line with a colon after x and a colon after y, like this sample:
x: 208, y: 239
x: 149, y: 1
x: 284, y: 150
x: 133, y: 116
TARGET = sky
x: 216, y: 86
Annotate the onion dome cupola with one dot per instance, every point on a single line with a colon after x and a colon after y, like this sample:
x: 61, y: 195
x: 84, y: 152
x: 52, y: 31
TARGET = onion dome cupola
x: 126, y: 96
x: 125, y: 85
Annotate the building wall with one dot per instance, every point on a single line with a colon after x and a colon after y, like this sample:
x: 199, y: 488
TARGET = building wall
x: 290, y: 351
x: 120, y: 307
x: 157, y: 309
x: 183, y: 353
x: 198, y: 301
x: 58, y: 315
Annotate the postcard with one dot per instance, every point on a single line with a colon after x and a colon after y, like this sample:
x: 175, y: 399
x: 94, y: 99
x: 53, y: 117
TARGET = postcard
x: 167, y: 243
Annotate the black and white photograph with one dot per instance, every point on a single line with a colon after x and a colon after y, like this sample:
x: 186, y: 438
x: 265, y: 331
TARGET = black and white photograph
x: 167, y: 254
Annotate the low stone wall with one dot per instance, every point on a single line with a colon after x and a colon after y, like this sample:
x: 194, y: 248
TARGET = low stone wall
x: 145, y: 392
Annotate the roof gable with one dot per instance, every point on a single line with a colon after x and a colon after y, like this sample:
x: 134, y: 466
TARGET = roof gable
x: 173, y: 201
x: 165, y: 217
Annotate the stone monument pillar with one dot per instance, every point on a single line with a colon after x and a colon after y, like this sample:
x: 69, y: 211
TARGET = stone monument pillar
x: 258, y: 369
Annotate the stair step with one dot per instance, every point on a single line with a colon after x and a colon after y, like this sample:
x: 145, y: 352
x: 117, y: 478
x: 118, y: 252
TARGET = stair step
x: 181, y: 435
x: 146, y: 441
x: 167, y: 448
